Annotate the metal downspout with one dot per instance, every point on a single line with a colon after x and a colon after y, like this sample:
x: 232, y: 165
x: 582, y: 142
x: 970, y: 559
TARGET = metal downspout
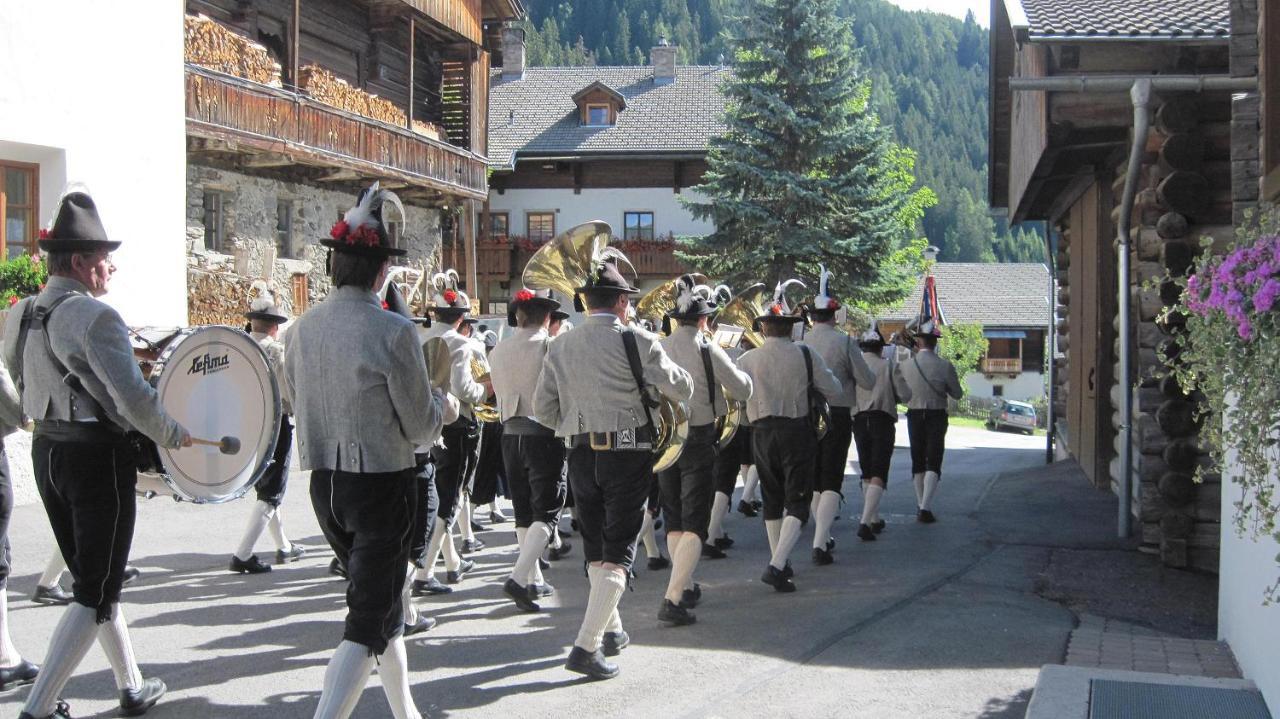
x: 1140, y: 93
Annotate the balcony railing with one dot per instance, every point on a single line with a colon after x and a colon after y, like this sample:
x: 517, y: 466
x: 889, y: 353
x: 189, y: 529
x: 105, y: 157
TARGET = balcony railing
x: 1002, y: 365
x: 268, y: 119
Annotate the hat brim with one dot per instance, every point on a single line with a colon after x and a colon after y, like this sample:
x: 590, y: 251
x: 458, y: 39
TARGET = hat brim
x: 559, y: 315
x: 424, y: 321
x: 628, y: 290
x: 266, y: 316
x: 547, y: 302
x: 77, y: 245
x: 364, y: 250
x: 705, y: 311
x: 787, y: 319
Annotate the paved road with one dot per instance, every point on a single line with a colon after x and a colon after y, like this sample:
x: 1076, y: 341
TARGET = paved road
x: 931, y: 621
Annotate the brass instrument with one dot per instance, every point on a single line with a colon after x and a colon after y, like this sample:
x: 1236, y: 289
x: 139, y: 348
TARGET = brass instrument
x: 563, y: 265
x: 483, y: 411
x: 439, y: 370
x: 744, y: 308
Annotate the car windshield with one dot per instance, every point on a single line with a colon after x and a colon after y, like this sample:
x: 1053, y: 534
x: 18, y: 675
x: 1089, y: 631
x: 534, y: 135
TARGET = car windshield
x: 1020, y: 409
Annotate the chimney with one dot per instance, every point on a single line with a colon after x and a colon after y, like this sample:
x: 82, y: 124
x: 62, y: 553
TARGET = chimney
x: 663, y: 59
x: 512, y: 52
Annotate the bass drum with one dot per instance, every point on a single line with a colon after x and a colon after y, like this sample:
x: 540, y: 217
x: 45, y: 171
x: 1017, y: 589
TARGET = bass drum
x: 215, y: 381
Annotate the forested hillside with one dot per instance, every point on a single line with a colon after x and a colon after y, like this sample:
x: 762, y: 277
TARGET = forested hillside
x: 929, y: 82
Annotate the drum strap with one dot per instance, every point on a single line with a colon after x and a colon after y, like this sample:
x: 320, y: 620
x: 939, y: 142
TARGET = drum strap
x: 35, y: 317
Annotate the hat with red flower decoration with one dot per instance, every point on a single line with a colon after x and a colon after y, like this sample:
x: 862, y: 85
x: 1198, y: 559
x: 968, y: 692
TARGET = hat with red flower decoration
x: 393, y: 301
x: 530, y: 298
x: 778, y: 310
x: 446, y: 299
x: 262, y: 304
x: 76, y: 226
x: 361, y: 230
x: 824, y: 305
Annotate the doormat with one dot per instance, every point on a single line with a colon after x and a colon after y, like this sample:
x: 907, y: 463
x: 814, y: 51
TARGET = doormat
x: 1110, y: 699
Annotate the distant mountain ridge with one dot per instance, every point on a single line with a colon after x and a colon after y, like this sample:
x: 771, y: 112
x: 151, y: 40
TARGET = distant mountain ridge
x: 929, y: 83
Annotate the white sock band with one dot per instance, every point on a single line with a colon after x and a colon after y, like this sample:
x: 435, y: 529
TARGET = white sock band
x: 871, y: 502
x: 344, y: 680
x: 70, y: 642
x: 114, y: 638
x: 930, y: 489
x: 787, y: 538
x: 607, y: 587
x: 259, y: 516
x: 824, y: 517
x: 393, y: 670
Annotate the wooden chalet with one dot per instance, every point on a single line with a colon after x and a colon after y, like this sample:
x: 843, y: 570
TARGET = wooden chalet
x: 330, y: 95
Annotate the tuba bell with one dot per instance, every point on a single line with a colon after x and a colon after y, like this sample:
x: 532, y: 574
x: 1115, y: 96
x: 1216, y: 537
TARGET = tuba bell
x: 483, y: 411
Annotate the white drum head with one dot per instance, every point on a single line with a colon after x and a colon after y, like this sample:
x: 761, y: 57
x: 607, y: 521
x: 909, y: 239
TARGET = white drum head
x: 216, y: 383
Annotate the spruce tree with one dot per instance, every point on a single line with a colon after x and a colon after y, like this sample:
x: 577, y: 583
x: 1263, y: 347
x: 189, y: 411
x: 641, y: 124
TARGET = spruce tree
x: 804, y: 174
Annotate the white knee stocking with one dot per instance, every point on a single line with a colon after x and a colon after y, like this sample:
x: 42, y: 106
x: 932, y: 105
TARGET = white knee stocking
x: 9, y: 656
x: 918, y: 481
x: 68, y: 645
x: 930, y: 489
x: 53, y: 570
x: 450, y: 552
x: 532, y: 541
x: 344, y: 680
x: 648, y: 537
x: 615, y: 622
x: 824, y: 517
x: 787, y: 537
x: 276, y: 528
x: 464, y: 526
x: 719, y: 508
x: 871, y: 494
x: 393, y: 670
x: 749, y: 483
x: 259, y: 517
x: 606, y: 589
x: 773, y: 527
x: 114, y: 638
x: 684, y: 559
x: 428, y: 569
x: 408, y: 612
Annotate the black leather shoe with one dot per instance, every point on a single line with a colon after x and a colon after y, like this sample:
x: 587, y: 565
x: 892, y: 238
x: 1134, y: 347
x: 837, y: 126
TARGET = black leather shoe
x: 745, y: 509
x: 423, y: 624
x: 131, y: 575
x: 560, y: 552
x: 136, y: 702
x: 831, y: 544
x: 52, y: 596
x: 787, y: 571
x: 925, y: 517
x: 60, y: 711
x: 778, y: 580
x: 822, y: 557
x: 472, y: 545
x: 522, y: 596
x: 723, y: 542
x: 429, y: 586
x: 614, y: 643
x: 674, y: 614
x: 296, y: 552
x: 592, y: 664
x: 336, y: 568
x: 477, y: 527
x: 711, y: 551
x: 656, y: 563
x: 866, y: 533
x: 18, y: 676
x: 877, y: 526
x: 543, y: 564
x: 689, y: 598
x: 252, y: 565
x: 497, y: 517
x: 537, y: 590
x: 573, y: 524
x: 757, y: 504
x: 464, y: 566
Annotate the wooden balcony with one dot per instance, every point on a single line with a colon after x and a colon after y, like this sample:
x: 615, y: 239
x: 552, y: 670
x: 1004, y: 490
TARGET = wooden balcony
x: 248, y: 116
x: 1002, y: 365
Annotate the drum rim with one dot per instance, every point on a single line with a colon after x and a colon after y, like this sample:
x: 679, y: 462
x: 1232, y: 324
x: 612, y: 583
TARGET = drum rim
x: 157, y: 372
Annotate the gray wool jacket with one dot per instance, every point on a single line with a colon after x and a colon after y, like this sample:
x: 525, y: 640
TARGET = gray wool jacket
x: 92, y: 342
x: 844, y: 359
x: 932, y: 379
x: 587, y: 385
x: 781, y: 384
x: 516, y: 364
x: 362, y: 400
x: 462, y: 384
x: 890, y: 387
x: 684, y: 347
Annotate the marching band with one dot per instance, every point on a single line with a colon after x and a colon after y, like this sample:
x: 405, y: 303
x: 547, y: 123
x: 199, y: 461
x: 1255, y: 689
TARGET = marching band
x: 392, y: 412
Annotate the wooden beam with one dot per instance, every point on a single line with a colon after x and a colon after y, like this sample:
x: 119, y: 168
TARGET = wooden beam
x: 268, y: 160
x: 469, y: 243
x: 296, y: 40
x: 412, y: 33
x: 340, y: 176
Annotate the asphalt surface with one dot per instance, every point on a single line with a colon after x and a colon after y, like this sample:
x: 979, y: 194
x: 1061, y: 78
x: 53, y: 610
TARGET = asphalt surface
x: 942, y: 620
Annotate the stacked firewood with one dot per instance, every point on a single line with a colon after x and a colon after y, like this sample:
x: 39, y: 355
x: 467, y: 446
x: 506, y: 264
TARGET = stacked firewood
x: 216, y: 298
x: 326, y: 87
x: 211, y: 45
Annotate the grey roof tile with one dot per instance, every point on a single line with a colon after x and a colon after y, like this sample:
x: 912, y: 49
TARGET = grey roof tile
x: 1010, y: 295
x: 536, y: 114
x: 1137, y: 19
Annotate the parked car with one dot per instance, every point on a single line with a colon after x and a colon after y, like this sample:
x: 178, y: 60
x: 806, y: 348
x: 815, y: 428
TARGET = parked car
x: 1014, y: 415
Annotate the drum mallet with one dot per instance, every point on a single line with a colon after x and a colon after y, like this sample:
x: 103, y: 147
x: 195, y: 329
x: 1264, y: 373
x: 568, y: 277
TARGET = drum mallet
x: 226, y: 445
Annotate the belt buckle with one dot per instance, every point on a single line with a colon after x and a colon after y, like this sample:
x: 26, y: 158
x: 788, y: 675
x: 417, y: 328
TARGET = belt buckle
x: 600, y: 441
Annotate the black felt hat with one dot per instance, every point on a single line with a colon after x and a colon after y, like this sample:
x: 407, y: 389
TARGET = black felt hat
x: 777, y: 310
x: 361, y: 230
x: 77, y: 227
x: 393, y: 301
x: 606, y: 276
x: 531, y: 298
x: 693, y: 300
x: 263, y: 305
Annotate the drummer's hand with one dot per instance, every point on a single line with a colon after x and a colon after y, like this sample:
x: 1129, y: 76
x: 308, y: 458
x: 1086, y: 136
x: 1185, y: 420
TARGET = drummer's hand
x: 186, y: 439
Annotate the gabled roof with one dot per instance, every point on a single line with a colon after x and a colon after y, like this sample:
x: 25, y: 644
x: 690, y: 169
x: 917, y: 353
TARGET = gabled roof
x: 1009, y: 295
x: 1187, y: 20
x: 536, y: 115
x: 602, y: 87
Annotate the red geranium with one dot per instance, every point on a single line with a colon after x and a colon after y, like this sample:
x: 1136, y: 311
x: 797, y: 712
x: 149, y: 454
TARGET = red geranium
x: 450, y: 296
x: 363, y: 235
x: 524, y: 296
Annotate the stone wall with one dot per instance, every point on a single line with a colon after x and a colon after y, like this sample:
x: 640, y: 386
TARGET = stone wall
x: 249, y: 228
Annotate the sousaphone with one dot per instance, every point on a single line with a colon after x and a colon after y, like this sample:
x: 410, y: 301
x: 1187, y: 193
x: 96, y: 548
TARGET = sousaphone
x: 563, y: 265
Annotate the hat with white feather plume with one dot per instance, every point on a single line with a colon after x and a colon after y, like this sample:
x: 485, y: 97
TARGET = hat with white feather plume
x: 262, y: 304
x: 446, y: 298
x: 361, y: 231
x: 824, y: 305
x: 778, y: 310
x: 872, y: 340
x: 605, y: 275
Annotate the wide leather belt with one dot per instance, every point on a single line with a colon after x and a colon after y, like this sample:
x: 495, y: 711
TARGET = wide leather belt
x: 639, y: 439
x: 63, y: 431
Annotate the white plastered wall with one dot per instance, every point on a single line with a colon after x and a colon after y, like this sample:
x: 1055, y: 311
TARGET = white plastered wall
x: 669, y: 215
x: 1024, y: 387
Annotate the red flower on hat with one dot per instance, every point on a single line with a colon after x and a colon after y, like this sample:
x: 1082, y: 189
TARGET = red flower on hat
x: 776, y: 309
x: 385, y: 306
x: 13, y: 300
x: 363, y: 235
x: 339, y: 229
x: 450, y: 296
x: 44, y: 234
x: 524, y: 296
